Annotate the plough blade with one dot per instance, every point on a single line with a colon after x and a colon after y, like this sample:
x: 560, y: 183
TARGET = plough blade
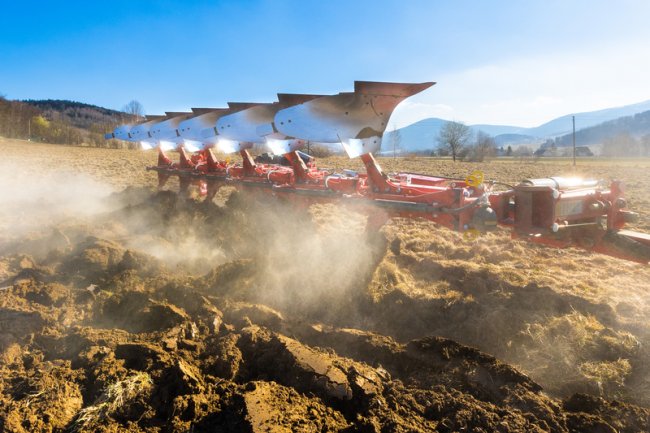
x: 191, y: 130
x: 239, y: 130
x: 277, y: 142
x: 289, y: 99
x: 360, y: 115
x: 155, y: 117
x: 281, y: 146
x: 141, y: 131
x: 120, y: 133
x: 167, y: 130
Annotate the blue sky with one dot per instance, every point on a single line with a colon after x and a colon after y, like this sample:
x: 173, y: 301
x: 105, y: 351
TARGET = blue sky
x: 518, y: 62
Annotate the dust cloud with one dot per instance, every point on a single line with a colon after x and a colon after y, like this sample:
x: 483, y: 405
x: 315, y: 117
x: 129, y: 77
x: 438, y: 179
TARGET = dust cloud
x: 303, y: 258
x: 31, y: 199
x: 312, y: 261
x: 37, y: 203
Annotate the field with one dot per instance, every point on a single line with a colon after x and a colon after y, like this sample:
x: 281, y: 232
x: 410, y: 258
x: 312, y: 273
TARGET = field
x: 124, y: 309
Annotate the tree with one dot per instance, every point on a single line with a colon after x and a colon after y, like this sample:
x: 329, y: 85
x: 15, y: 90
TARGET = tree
x: 134, y: 109
x: 454, y: 137
x: 40, y: 128
x: 522, y: 152
x: 485, y: 147
x: 396, y: 140
x: 622, y: 144
x: 509, y: 151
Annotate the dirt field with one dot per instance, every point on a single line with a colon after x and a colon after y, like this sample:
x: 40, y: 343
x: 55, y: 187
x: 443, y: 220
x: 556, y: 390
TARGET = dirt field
x: 123, y: 309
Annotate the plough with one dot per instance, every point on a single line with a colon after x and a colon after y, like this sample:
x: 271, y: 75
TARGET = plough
x: 560, y: 212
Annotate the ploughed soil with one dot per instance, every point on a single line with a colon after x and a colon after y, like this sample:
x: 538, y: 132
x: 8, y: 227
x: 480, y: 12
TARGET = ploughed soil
x: 145, y: 311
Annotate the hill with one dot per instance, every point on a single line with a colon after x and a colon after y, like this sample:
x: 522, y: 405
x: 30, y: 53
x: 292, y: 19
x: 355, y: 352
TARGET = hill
x: 421, y: 136
x: 563, y: 125
x: 77, y: 114
x: 418, y: 137
x: 625, y: 136
x: 58, y: 121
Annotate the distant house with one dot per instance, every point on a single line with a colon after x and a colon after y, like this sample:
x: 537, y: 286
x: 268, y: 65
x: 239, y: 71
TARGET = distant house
x: 546, y: 151
x: 583, y: 151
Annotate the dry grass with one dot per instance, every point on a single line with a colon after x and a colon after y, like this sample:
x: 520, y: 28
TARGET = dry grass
x: 115, y: 397
x: 576, y: 350
x: 510, y: 298
x: 607, y: 372
x: 117, y: 167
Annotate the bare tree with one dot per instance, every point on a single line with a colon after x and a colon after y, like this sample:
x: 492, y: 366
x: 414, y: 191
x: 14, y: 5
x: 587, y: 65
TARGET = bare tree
x: 454, y: 137
x: 522, y: 153
x: 622, y: 144
x: 134, y: 109
x: 485, y: 147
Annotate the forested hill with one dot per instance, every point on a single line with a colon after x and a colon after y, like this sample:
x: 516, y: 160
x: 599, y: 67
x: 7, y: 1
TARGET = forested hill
x: 59, y: 121
x: 76, y: 113
x: 636, y: 126
x: 625, y: 136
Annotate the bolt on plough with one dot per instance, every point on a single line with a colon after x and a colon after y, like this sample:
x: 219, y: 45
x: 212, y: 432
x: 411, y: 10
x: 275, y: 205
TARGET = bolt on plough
x: 555, y: 211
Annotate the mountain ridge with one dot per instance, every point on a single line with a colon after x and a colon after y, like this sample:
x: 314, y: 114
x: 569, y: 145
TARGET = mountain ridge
x: 421, y: 135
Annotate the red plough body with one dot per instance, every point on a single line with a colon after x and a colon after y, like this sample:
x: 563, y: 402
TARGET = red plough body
x: 556, y: 212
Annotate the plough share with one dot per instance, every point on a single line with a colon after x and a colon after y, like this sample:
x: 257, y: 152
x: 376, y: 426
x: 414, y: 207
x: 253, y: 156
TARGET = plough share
x: 559, y: 212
